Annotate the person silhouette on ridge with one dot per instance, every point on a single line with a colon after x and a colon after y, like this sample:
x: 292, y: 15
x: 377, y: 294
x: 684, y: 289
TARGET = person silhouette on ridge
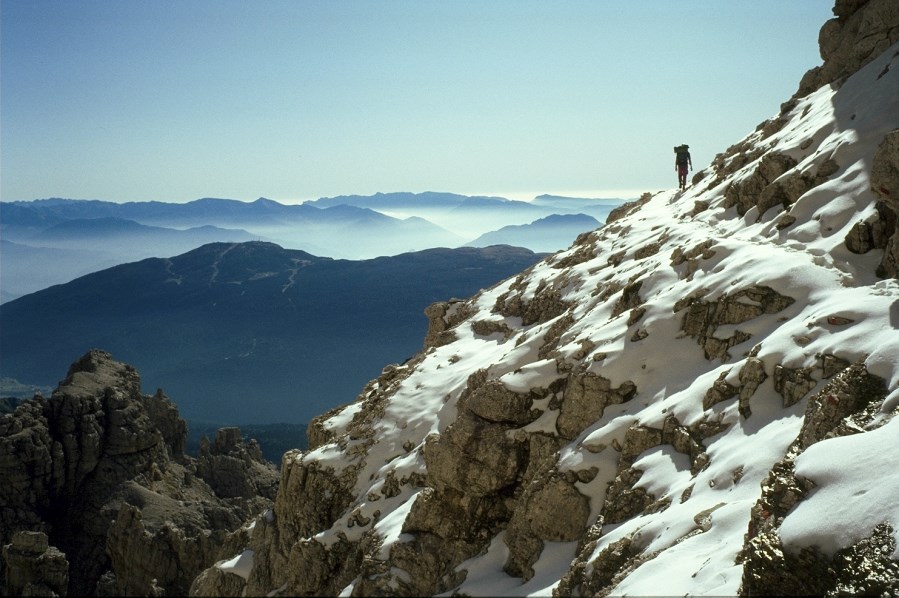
x: 682, y: 163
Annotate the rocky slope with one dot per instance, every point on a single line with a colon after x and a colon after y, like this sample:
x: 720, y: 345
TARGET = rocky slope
x: 697, y: 399
x: 98, y: 497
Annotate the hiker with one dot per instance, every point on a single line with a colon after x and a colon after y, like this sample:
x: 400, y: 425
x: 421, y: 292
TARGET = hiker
x: 682, y: 163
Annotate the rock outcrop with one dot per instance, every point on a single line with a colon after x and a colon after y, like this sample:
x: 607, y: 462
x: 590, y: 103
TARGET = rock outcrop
x: 847, y: 405
x: 882, y: 231
x: 33, y: 567
x: 861, y: 31
x: 99, y: 497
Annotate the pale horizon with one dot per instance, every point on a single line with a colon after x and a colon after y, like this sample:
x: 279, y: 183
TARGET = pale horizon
x: 528, y: 196
x: 173, y: 101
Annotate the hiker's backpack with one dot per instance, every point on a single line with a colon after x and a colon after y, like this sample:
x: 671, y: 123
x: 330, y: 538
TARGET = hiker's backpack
x: 683, y: 153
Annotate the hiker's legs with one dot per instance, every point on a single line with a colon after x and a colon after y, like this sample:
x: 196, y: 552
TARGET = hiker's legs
x: 682, y: 175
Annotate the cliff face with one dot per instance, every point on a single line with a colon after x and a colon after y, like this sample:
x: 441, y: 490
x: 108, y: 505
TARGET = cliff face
x: 98, y: 496
x: 698, y: 398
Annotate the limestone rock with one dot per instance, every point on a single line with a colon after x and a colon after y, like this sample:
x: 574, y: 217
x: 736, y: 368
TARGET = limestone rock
x: 747, y: 193
x: 98, y: 470
x: 546, y: 305
x: 234, y: 468
x: 628, y: 208
x: 885, y: 170
x: 849, y: 392
x: 861, y: 31
x: 774, y: 182
x: 751, y: 377
x: 629, y: 299
x: 882, y: 231
x: 853, y: 397
x: 552, y: 510
x: 702, y: 318
x: 495, y: 403
x: 33, y: 567
x: 474, y: 456
x: 442, y: 317
x: 885, y: 184
x: 612, y: 562
x: 793, y: 384
x: 692, y: 257
x: 585, y: 398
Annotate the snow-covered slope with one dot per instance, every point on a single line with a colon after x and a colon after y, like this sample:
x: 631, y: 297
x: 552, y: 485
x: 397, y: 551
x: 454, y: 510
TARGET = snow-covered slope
x: 698, y: 398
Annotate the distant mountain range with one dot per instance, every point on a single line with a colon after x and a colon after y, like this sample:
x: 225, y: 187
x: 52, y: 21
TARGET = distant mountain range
x: 545, y: 234
x: 474, y: 215
x: 247, y: 332
x: 99, y: 234
x: 314, y: 229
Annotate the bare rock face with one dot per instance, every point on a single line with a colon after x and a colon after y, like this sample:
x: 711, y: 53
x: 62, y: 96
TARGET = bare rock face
x: 748, y: 193
x: 33, y: 567
x: 551, y: 510
x: 702, y: 318
x: 234, y: 469
x: 442, y: 317
x: 100, y: 497
x: 846, y: 405
x: 775, y: 182
x: 586, y: 397
x: 882, y: 232
x: 623, y: 210
x: 885, y: 184
x: 861, y: 31
x: 543, y: 307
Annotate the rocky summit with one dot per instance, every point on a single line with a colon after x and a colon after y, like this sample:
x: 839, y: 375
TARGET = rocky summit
x: 98, y: 497
x: 699, y: 398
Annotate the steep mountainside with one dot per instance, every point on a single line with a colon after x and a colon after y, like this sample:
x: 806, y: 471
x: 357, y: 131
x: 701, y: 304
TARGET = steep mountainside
x: 700, y: 398
x: 248, y: 332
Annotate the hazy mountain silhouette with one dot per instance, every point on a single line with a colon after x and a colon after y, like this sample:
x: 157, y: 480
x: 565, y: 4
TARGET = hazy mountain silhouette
x: 102, y: 233
x: 549, y: 234
x: 25, y: 269
x: 475, y: 214
x: 111, y: 228
x: 69, y: 248
x: 407, y: 200
x: 263, y: 212
x: 598, y: 208
x: 248, y: 332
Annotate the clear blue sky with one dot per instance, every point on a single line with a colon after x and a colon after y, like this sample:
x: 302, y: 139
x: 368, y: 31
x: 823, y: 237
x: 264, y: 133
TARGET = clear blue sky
x: 128, y: 100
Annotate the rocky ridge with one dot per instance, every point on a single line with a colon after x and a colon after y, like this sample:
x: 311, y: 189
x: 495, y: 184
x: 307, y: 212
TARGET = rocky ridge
x: 647, y: 405
x: 99, y: 498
